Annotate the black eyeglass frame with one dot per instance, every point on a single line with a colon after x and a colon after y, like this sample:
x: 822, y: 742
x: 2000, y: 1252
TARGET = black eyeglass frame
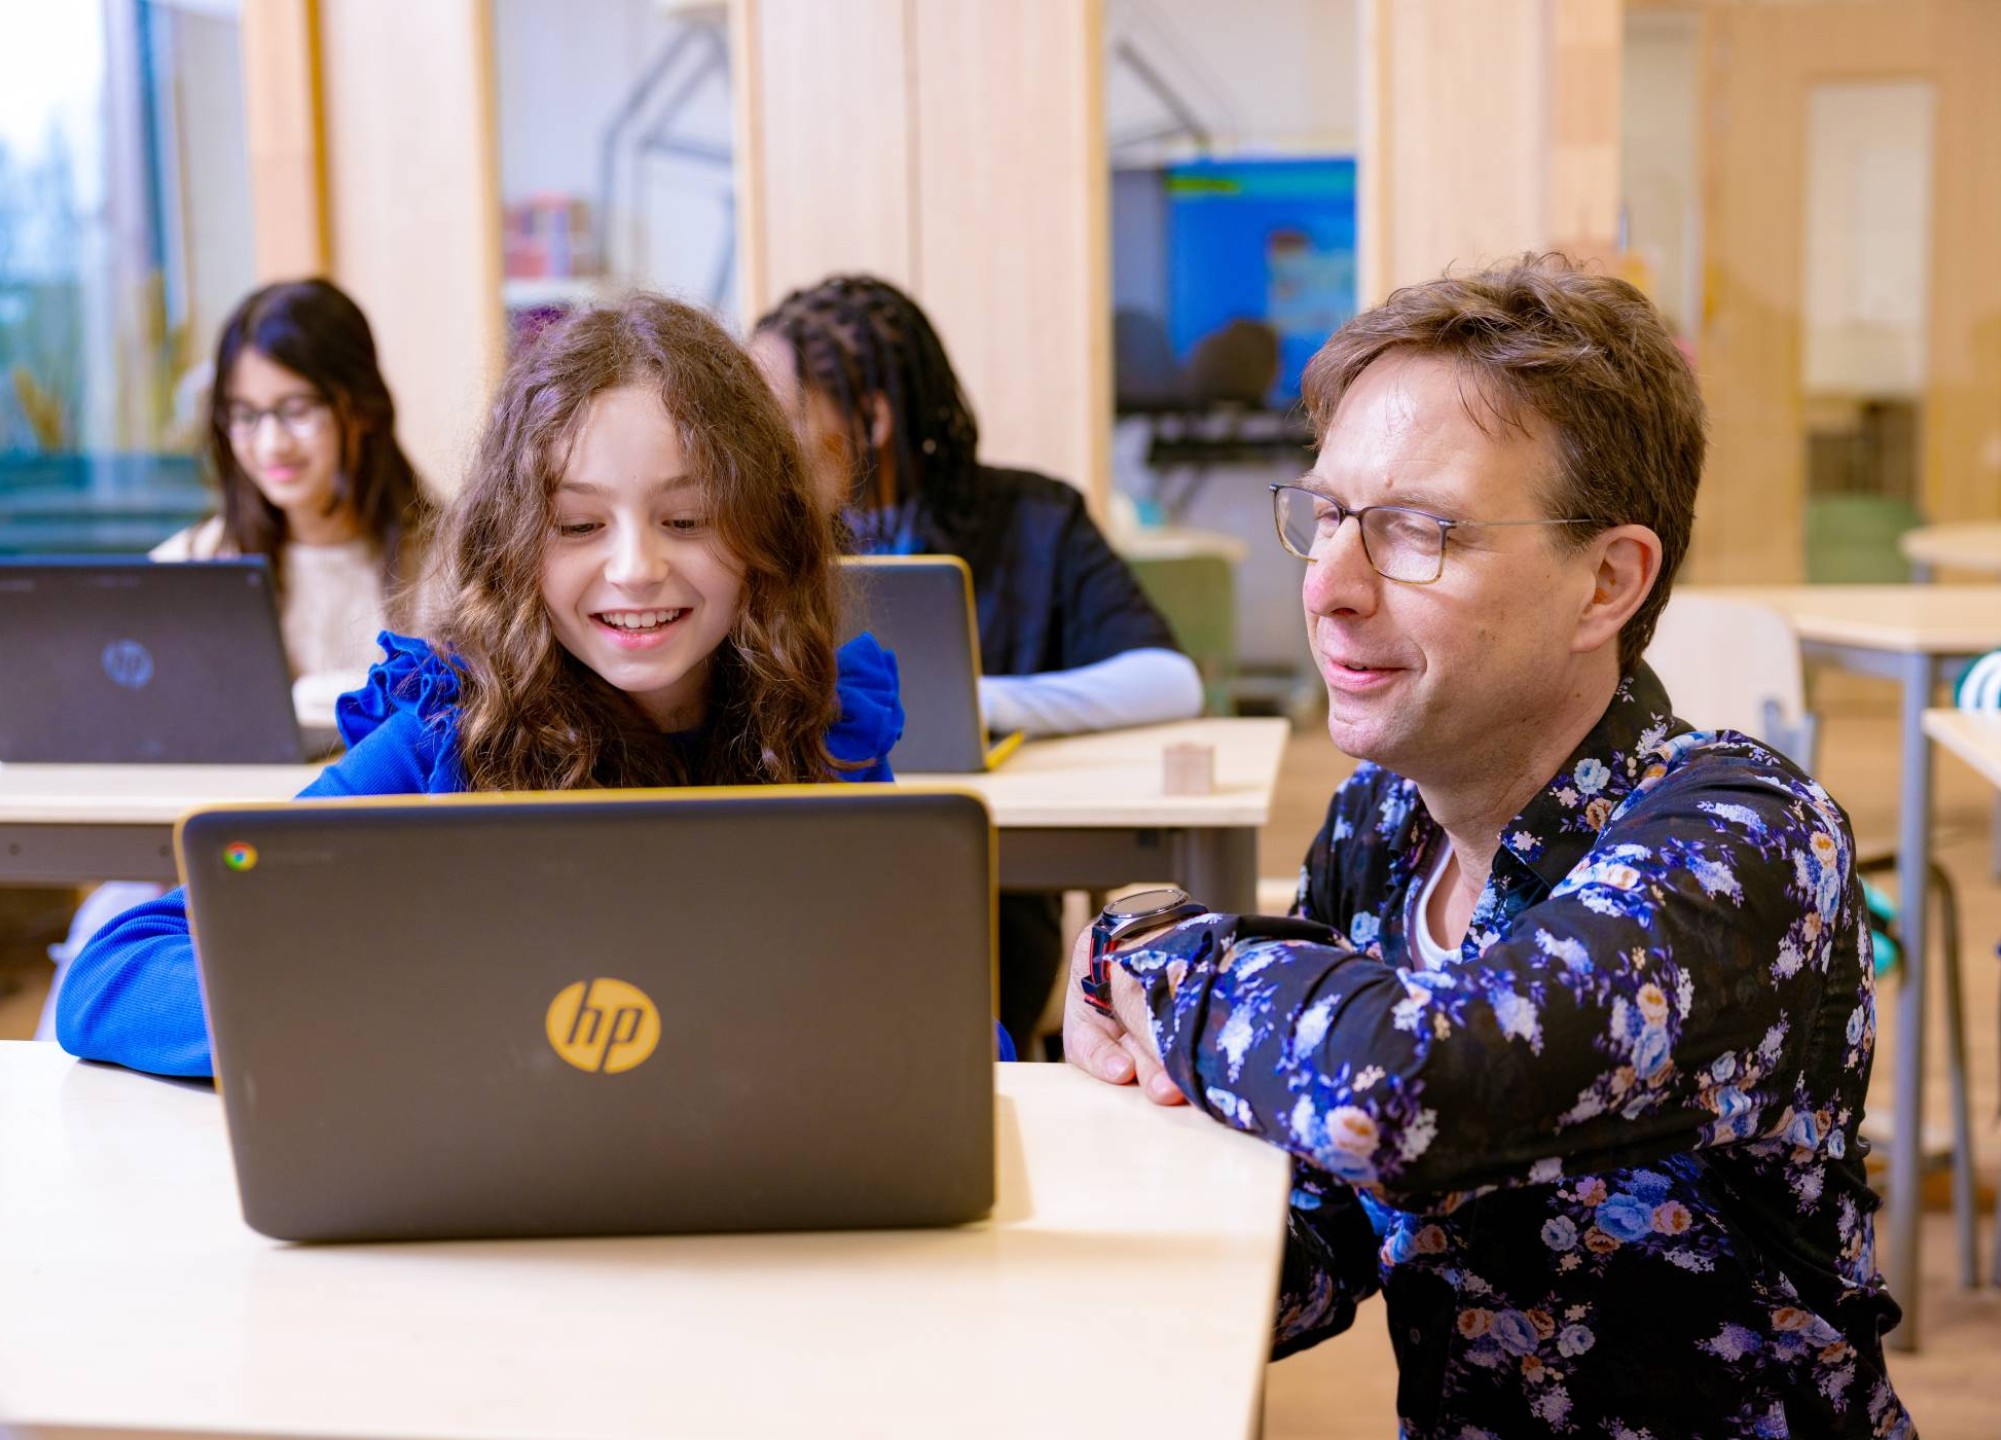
x: 1445, y: 527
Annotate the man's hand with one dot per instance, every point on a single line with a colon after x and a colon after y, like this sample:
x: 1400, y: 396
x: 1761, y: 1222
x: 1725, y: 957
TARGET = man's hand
x: 1101, y: 1046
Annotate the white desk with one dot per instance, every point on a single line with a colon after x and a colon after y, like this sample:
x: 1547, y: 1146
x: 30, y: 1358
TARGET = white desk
x: 1124, y: 1286
x: 1960, y: 545
x: 1915, y: 635
x: 1083, y: 811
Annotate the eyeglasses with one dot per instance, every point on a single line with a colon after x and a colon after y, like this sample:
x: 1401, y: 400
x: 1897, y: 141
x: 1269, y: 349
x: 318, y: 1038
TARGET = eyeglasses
x: 303, y: 416
x: 1404, y: 545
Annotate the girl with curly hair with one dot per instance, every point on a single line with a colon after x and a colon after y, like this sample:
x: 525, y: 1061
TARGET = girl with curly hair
x: 638, y: 592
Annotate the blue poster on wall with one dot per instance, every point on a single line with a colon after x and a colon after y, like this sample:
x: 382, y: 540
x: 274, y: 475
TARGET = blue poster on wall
x: 1269, y: 241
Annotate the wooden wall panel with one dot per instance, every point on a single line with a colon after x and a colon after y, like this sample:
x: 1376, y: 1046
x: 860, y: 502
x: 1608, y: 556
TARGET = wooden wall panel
x: 1013, y: 256
x: 1962, y: 461
x: 1583, y: 193
x: 414, y: 208
x: 1457, y: 137
x: 957, y: 150
x: 830, y: 184
x: 1759, y: 64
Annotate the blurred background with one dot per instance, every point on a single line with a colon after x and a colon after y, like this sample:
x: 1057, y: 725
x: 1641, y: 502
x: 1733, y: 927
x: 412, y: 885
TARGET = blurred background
x: 1133, y: 219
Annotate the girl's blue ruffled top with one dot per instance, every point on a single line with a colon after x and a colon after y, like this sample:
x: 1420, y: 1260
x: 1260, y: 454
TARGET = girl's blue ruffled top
x: 131, y: 996
x: 402, y: 728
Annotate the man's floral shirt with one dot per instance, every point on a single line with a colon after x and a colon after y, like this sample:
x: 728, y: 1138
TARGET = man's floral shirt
x: 1604, y: 1166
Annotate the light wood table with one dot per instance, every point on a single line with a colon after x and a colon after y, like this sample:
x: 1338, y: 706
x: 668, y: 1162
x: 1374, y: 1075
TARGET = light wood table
x: 1918, y: 636
x: 1973, y: 735
x: 75, y: 824
x: 1959, y: 545
x: 1090, y: 811
x: 1081, y: 811
x: 1125, y: 1285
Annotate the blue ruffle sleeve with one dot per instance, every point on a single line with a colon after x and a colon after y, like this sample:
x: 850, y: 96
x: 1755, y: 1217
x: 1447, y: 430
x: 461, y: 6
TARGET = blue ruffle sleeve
x: 401, y: 728
x: 871, y: 720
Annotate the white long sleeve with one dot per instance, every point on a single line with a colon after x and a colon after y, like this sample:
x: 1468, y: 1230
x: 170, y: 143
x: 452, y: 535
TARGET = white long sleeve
x: 1139, y: 687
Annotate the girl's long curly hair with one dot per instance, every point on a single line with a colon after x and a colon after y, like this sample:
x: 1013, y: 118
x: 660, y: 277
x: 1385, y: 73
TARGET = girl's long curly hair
x: 533, y: 716
x: 313, y: 329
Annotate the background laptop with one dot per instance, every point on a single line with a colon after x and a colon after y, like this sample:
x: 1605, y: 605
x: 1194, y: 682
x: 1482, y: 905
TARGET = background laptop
x: 126, y: 661
x: 921, y: 607
x: 388, y: 983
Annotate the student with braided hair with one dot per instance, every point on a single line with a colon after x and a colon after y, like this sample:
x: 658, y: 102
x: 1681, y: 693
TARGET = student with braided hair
x: 1068, y: 641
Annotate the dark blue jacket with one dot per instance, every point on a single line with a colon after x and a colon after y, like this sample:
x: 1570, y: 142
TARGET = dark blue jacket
x: 1051, y: 592
x: 132, y: 997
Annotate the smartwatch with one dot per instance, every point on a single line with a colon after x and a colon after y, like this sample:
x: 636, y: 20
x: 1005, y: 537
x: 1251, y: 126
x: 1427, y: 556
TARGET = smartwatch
x: 1141, y: 910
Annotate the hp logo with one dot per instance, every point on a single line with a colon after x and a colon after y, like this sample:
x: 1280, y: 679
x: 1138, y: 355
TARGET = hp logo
x: 603, y: 1026
x: 128, y: 663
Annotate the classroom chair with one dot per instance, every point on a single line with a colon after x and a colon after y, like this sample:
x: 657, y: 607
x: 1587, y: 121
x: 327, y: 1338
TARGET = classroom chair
x: 1197, y: 596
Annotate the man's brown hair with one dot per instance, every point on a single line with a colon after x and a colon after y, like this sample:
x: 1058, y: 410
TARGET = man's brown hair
x: 1587, y: 356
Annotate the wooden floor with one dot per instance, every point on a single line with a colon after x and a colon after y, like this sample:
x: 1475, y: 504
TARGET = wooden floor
x: 1347, y: 1387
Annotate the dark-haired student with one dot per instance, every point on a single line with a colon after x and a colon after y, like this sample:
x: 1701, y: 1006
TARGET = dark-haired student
x: 1068, y: 641
x: 301, y: 440
x: 301, y: 446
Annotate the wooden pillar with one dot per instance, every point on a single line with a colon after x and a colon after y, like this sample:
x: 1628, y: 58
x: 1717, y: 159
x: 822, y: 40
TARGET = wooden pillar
x: 373, y: 162
x: 1013, y: 252
x: 1487, y: 130
x: 956, y: 150
x: 414, y: 195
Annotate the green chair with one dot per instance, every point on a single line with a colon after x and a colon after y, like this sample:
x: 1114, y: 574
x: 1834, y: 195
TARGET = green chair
x: 1197, y: 595
x: 1852, y: 539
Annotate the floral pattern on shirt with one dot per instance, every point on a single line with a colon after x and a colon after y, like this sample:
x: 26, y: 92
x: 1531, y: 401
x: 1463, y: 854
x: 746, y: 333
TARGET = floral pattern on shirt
x: 1605, y: 1166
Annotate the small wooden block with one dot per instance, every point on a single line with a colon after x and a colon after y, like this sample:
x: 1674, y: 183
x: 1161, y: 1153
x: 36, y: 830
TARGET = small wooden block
x: 1188, y: 769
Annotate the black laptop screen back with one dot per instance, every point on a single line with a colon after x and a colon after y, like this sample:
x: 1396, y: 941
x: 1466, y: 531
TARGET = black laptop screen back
x: 921, y: 609
x: 126, y: 661
x: 404, y: 1050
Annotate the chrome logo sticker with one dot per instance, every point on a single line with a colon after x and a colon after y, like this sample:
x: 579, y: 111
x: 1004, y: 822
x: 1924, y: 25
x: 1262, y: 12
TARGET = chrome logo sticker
x: 240, y: 856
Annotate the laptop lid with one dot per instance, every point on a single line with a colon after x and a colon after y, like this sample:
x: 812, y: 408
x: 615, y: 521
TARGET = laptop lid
x: 921, y: 608
x: 601, y: 1013
x: 128, y: 661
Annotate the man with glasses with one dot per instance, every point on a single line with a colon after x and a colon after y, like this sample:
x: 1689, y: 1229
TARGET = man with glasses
x: 1570, y: 1027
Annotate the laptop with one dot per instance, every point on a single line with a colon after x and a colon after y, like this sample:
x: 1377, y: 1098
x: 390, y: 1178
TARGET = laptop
x: 127, y: 661
x: 603, y: 1012
x: 921, y: 608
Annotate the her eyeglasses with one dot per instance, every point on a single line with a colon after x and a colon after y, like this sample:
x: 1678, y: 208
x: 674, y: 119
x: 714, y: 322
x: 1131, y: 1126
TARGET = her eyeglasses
x: 302, y: 416
x: 1403, y: 544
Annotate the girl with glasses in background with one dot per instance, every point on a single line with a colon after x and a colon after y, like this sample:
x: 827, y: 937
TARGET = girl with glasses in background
x: 301, y: 442
x: 301, y: 445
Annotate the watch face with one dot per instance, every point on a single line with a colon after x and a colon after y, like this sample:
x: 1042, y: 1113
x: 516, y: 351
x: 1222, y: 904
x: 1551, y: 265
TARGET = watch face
x: 1145, y: 902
